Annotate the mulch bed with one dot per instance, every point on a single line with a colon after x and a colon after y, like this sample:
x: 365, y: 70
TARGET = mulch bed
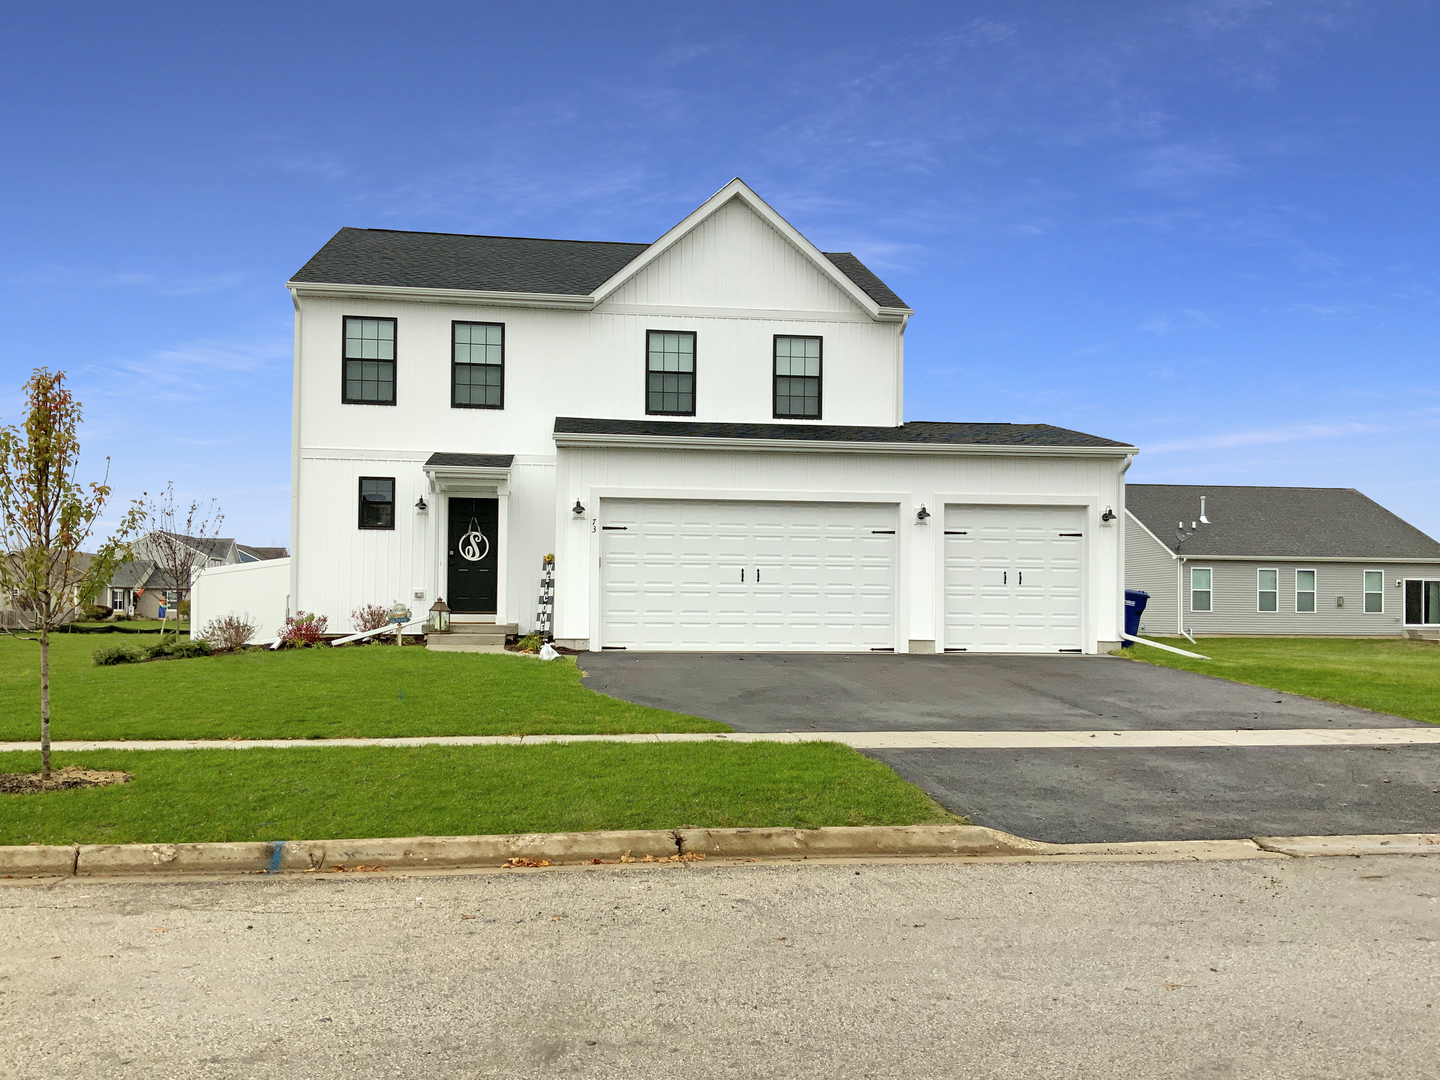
x: 66, y: 779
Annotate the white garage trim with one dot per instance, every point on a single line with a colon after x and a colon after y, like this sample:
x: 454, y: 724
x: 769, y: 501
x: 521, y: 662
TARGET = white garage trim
x: 762, y: 575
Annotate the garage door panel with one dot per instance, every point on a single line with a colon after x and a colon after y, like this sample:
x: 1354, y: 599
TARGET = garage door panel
x: 815, y: 575
x: 1012, y: 583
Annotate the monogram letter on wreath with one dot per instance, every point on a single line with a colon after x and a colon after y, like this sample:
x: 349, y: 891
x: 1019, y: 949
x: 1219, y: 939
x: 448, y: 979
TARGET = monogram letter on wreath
x: 473, y: 545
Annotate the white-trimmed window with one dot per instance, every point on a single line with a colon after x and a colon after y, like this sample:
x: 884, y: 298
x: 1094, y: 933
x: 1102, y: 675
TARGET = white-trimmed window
x: 1267, y: 590
x: 1305, y: 591
x: 1201, y: 595
x: 1374, y: 592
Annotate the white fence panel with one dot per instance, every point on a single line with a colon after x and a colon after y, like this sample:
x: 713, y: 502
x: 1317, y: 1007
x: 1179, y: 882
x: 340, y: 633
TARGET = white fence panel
x: 259, y: 590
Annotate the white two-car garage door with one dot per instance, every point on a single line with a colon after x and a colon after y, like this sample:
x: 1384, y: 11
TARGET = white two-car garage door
x: 1013, y: 578
x: 683, y: 574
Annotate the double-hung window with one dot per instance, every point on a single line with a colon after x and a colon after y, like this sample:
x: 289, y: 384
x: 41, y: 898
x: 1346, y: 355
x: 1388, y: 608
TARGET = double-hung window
x: 477, y: 365
x: 369, y: 361
x: 1200, y: 591
x: 377, y: 502
x: 1304, y: 590
x: 797, y: 377
x: 670, y: 373
x: 1374, y: 592
x: 1267, y: 590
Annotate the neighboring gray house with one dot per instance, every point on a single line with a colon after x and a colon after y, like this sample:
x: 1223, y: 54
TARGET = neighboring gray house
x: 138, y: 587
x: 1278, y: 560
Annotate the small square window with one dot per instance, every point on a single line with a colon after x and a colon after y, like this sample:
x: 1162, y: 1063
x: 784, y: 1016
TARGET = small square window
x: 670, y: 373
x: 377, y: 502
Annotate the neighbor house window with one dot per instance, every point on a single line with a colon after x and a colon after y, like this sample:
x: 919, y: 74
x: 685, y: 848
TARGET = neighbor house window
x: 670, y: 373
x: 369, y: 361
x: 1267, y: 590
x: 117, y: 599
x: 797, y: 377
x: 377, y: 502
x: 1304, y: 590
x: 477, y: 365
x: 1374, y: 592
x: 1200, y: 589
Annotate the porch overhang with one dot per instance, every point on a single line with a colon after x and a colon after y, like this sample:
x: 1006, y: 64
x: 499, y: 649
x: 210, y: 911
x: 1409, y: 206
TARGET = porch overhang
x: 462, y: 472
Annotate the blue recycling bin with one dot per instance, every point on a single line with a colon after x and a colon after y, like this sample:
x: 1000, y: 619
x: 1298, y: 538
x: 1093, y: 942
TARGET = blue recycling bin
x: 1135, y: 601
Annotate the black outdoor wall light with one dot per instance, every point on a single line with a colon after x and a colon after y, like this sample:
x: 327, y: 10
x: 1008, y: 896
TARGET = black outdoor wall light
x: 921, y: 515
x: 421, y: 505
x: 578, y: 510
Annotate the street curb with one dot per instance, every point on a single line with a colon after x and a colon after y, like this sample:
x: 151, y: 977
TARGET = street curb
x: 1377, y: 844
x: 655, y: 846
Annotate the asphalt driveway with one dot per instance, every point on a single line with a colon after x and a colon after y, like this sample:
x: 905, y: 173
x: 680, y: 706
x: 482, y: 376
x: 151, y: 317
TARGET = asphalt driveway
x: 1064, y: 796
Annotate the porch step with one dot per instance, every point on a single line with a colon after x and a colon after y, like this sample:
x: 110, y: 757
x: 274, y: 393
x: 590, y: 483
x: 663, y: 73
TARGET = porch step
x: 488, y: 628
x: 1415, y: 633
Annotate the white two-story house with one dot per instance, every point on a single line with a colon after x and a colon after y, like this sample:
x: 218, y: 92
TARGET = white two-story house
x: 705, y: 432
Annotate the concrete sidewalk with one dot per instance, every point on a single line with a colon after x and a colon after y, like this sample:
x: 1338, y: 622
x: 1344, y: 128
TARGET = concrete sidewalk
x: 859, y: 740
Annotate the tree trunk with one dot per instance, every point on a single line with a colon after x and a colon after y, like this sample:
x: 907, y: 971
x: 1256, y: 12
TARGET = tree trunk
x: 45, y: 705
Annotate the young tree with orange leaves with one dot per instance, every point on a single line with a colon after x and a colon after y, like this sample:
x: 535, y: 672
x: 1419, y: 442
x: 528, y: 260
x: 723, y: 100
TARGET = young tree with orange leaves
x: 46, y: 518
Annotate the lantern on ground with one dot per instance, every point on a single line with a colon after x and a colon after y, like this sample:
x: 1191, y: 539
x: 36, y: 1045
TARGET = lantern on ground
x: 439, y: 621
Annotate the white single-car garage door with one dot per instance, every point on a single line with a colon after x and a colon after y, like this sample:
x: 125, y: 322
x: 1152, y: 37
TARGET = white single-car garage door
x: 729, y: 575
x: 1013, y: 578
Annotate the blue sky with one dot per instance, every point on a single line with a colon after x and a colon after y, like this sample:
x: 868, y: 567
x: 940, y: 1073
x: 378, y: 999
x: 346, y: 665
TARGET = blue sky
x: 1206, y: 227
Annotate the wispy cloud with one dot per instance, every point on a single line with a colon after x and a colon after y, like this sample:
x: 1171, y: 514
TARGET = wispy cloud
x: 1185, y: 319
x: 63, y: 277
x: 1294, y: 433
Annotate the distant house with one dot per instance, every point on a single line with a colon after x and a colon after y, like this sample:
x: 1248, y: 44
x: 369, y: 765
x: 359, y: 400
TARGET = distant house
x: 1278, y: 560
x: 140, y: 585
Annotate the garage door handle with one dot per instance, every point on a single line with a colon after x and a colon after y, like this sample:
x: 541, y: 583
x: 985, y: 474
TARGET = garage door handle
x: 948, y: 532
x: 882, y: 532
x: 742, y: 573
x: 1020, y: 577
x: 1072, y: 534
x: 1004, y: 577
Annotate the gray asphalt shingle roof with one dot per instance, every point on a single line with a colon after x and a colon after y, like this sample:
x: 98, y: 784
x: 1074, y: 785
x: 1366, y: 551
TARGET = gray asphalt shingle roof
x: 922, y: 432
x: 1278, y: 522
x: 421, y: 260
x: 471, y: 461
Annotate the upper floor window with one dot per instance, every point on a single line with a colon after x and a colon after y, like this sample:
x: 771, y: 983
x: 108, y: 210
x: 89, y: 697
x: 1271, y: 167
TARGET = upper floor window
x: 670, y: 373
x: 1305, y: 590
x: 1200, y: 593
x: 369, y: 361
x: 797, y: 377
x: 1267, y: 590
x: 1374, y: 592
x: 477, y: 365
x: 377, y: 502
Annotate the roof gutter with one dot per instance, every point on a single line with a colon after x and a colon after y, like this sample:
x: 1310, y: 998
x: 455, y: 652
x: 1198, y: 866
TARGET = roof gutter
x: 684, y: 442
x: 489, y: 297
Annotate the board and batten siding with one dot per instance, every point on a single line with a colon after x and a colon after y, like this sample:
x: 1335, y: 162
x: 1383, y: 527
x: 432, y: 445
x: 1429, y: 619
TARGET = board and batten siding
x: 1235, y: 599
x: 1150, y: 566
x: 904, y: 480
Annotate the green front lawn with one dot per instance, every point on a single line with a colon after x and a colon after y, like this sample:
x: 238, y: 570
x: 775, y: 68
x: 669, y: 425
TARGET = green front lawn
x: 1389, y: 675
x: 307, y: 793
x: 372, y: 691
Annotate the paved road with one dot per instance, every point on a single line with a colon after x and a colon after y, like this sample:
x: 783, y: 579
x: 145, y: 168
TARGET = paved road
x: 846, y: 692
x: 1064, y: 796
x: 1294, y: 968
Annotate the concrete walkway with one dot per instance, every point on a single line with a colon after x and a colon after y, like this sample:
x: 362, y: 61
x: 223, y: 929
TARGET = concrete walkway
x: 859, y: 740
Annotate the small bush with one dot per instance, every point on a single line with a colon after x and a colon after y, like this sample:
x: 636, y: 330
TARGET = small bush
x: 186, y: 650
x: 94, y: 612
x: 369, y: 617
x: 183, y: 609
x: 228, y: 632
x: 531, y: 642
x: 118, y: 654
x: 302, y: 629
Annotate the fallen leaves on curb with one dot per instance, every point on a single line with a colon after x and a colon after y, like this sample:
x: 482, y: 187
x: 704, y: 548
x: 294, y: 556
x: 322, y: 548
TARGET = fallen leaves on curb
x: 358, y: 868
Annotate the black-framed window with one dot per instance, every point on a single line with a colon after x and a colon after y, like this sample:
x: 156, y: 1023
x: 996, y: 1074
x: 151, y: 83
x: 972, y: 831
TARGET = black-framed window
x: 477, y: 365
x: 369, y: 361
x: 377, y: 502
x: 797, y: 377
x: 670, y: 372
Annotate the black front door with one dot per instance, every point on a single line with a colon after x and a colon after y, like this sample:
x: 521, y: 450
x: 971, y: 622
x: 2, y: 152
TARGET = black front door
x: 474, y: 555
